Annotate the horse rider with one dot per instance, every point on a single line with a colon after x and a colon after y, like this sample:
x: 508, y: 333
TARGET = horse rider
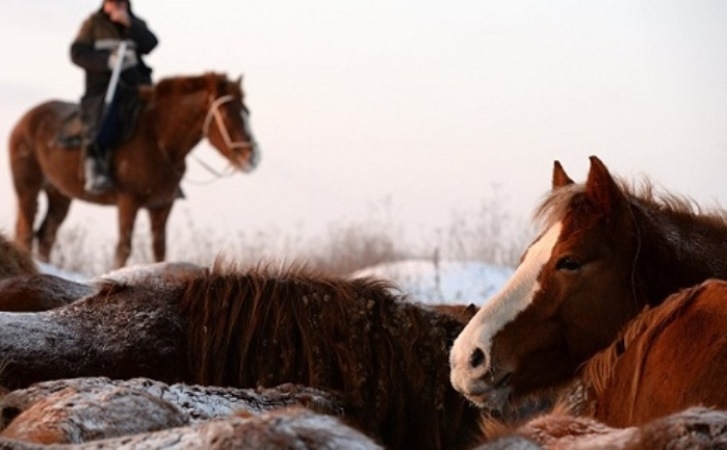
x: 96, y: 49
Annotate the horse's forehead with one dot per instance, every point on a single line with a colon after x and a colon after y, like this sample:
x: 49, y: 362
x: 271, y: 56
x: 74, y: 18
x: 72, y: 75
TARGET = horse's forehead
x: 520, y: 290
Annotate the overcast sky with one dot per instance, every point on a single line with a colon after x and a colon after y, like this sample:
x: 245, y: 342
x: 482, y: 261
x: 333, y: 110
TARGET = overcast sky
x: 431, y: 104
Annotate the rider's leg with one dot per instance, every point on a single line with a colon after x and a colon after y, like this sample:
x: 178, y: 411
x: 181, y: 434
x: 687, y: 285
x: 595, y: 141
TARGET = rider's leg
x: 98, y: 152
x: 96, y: 171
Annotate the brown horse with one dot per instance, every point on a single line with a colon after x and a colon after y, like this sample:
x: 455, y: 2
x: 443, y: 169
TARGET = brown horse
x: 605, y: 252
x: 147, y: 168
x: 226, y: 327
x: 669, y: 358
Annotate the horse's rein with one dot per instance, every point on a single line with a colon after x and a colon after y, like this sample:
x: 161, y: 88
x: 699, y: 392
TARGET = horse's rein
x: 214, y: 112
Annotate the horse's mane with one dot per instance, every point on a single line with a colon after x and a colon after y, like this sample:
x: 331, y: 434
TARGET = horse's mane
x: 188, y: 84
x: 557, y: 202
x: 640, y: 332
x: 265, y: 326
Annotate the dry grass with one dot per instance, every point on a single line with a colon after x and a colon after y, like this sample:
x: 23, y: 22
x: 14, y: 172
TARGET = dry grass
x: 487, y: 234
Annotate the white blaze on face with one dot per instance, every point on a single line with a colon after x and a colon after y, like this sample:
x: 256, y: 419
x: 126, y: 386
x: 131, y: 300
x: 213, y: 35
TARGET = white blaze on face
x: 248, y: 130
x: 501, y: 309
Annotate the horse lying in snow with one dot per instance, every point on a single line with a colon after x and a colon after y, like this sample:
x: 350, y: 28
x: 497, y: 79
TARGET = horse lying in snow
x: 227, y: 327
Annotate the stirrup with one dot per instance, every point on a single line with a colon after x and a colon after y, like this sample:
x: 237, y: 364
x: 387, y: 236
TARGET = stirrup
x: 97, y: 185
x: 96, y: 181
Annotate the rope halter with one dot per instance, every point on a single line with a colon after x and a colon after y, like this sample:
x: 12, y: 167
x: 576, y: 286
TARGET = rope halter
x: 214, y: 112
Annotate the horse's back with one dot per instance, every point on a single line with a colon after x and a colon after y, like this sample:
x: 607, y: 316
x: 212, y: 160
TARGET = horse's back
x: 695, y: 347
x: 40, y: 292
x: 676, y: 362
x: 45, y: 110
x: 38, y: 124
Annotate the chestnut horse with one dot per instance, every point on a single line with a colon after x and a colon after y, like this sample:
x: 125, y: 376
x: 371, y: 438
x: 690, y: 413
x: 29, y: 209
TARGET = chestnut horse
x: 604, y: 253
x: 669, y: 358
x: 147, y: 167
x: 664, y: 372
x: 227, y: 327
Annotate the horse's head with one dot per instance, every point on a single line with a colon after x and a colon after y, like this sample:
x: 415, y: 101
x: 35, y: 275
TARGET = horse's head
x: 227, y: 124
x: 567, y: 299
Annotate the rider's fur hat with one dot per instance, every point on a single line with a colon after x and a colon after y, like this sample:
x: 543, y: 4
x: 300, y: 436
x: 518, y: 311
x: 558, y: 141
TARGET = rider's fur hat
x: 128, y: 2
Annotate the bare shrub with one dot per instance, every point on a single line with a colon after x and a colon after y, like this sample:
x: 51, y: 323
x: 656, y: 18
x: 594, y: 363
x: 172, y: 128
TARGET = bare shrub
x: 73, y: 252
x: 348, y: 247
x: 488, y: 234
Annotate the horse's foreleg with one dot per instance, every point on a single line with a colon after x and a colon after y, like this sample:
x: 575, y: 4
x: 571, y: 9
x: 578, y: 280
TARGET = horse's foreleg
x: 58, y: 206
x: 27, y: 207
x: 27, y: 181
x: 128, y: 208
x: 158, y: 218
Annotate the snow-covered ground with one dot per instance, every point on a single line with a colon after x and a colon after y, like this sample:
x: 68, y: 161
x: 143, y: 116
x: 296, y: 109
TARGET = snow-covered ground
x: 447, y: 282
x: 53, y: 270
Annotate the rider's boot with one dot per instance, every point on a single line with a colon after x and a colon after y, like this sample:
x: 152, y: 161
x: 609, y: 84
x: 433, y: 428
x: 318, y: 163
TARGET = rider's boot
x: 97, y: 178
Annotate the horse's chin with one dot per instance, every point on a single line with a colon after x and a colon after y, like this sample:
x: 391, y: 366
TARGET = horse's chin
x: 492, y: 400
x: 245, y: 165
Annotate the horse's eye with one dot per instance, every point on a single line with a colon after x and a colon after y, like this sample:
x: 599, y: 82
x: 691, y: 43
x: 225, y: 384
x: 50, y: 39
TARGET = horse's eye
x: 567, y: 263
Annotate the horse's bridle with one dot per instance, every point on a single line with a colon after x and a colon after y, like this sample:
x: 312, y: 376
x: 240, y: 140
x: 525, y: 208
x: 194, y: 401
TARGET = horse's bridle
x: 214, y: 112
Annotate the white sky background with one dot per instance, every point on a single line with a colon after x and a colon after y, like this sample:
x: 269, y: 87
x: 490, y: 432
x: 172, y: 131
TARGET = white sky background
x: 432, y: 104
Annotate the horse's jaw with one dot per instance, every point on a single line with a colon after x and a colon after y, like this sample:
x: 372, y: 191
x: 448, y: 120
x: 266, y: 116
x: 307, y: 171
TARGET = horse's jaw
x: 490, y: 398
x: 248, y: 160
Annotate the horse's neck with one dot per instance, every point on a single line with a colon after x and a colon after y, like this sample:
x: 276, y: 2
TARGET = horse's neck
x: 85, y: 339
x: 677, y: 251
x: 180, y: 127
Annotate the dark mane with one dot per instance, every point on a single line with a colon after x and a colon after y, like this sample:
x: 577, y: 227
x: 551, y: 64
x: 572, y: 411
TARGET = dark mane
x: 641, y: 332
x: 388, y: 357
x: 189, y: 84
x: 556, y: 203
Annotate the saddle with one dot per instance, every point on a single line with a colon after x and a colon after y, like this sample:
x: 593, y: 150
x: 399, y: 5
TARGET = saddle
x: 72, y: 131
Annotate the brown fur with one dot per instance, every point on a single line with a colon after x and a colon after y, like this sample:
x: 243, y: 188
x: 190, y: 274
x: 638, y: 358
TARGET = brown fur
x: 620, y: 248
x: 462, y: 313
x: 14, y: 260
x: 670, y: 358
x: 39, y: 292
x: 388, y: 357
x: 148, y: 166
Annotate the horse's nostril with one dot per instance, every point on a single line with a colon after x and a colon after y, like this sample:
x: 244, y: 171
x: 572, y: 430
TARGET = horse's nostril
x: 477, y: 358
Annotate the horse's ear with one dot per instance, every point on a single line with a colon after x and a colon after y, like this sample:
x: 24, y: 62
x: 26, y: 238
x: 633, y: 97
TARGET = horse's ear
x: 602, y: 189
x: 239, y: 80
x: 560, y: 178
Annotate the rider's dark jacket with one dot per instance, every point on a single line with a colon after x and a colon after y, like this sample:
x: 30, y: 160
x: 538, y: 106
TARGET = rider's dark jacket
x: 91, y: 50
